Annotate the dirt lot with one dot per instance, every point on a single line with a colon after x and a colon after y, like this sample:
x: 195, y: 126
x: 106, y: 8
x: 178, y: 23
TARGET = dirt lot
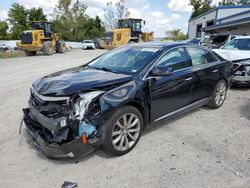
x: 203, y: 148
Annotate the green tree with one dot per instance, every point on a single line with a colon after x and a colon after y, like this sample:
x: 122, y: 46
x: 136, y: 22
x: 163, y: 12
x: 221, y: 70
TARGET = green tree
x: 70, y: 20
x: 114, y: 12
x: 175, y: 35
x: 200, y: 7
x: 18, y: 20
x: 227, y: 2
x: 3, y: 30
x: 36, y: 14
x: 243, y: 2
x: 93, y: 28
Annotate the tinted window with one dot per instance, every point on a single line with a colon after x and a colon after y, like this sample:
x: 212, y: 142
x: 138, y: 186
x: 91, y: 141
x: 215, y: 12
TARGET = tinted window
x: 126, y: 59
x: 239, y: 44
x: 211, y: 57
x: 198, y: 55
x: 176, y: 59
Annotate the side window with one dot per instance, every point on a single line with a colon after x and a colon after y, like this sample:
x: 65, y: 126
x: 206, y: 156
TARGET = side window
x: 211, y: 57
x: 198, y: 55
x: 176, y: 59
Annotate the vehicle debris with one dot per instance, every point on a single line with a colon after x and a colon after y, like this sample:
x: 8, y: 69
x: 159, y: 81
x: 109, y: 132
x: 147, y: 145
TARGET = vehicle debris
x: 68, y: 184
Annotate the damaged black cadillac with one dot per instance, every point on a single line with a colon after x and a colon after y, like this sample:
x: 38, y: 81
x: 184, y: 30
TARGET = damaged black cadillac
x: 108, y: 102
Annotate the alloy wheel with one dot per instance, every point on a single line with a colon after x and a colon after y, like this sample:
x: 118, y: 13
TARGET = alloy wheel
x: 220, y: 93
x: 126, y: 132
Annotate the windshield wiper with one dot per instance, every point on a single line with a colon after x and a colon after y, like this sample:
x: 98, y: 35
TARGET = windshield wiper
x: 103, y: 68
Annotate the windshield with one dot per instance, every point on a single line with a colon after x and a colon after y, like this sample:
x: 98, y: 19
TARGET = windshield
x: 134, y: 24
x: 238, y: 44
x: 127, y: 60
x: 37, y: 26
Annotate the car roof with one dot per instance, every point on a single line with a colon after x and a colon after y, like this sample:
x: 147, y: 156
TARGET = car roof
x: 164, y: 45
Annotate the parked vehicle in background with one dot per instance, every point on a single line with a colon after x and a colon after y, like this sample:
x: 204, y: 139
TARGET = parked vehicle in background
x: 241, y: 73
x: 129, y: 31
x: 215, y: 41
x: 97, y: 42
x: 112, y: 99
x: 4, y: 47
x: 238, y: 51
x: 41, y: 38
x: 194, y: 41
x: 88, y: 44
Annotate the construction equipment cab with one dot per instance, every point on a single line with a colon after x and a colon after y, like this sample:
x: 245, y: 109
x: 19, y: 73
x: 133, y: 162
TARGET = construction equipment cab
x: 128, y: 31
x: 40, y: 38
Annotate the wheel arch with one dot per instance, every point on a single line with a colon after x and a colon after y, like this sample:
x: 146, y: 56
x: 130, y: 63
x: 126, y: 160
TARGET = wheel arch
x: 141, y: 109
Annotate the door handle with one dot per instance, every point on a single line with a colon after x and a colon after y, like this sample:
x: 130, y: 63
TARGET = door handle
x: 189, y: 78
x: 215, y: 70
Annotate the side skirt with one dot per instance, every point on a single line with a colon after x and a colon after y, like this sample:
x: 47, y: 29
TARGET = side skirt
x: 184, y: 109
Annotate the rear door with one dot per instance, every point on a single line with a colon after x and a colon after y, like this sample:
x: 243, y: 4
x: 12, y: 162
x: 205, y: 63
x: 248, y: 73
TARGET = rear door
x: 206, y: 68
x: 172, y: 92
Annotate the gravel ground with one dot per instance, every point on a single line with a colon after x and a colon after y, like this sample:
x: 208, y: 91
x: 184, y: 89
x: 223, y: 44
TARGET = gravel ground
x: 202, y: 148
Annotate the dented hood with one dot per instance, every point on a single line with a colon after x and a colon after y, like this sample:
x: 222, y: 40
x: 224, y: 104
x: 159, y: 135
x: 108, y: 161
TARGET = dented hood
x: 70, y: 81
x: 233, y: 55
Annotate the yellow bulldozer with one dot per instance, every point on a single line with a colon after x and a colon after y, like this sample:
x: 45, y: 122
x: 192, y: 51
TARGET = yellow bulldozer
x: 41, y: 38
x: 128, y: 31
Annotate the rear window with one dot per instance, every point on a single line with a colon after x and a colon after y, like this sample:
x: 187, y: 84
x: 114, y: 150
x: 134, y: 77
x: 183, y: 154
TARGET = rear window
x: 198, y: 55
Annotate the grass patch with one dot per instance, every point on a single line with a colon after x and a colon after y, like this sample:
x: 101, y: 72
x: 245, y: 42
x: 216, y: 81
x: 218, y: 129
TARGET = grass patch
x: 10, y: 54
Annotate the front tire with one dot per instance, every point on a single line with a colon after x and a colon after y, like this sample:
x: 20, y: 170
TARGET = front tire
x: 48, y: 48
x: 219, y: 95
x: 61, y: 47
x: 123, y: 131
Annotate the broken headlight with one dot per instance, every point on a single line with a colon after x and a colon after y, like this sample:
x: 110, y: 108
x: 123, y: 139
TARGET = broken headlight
x: 82, y: 103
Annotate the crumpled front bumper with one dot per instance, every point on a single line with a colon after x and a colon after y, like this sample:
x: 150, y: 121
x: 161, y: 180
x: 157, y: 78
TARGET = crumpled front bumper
x: 73, y: 149
x: 241, y: 81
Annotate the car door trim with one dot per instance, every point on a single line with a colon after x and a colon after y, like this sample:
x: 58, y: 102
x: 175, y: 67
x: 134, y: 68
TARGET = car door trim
x: 183, y: 109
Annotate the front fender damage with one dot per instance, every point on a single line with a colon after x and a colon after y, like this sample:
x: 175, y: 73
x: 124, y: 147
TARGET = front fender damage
x: 65, y: 129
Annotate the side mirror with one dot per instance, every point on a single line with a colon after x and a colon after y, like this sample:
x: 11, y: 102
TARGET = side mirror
x: 162, y: 71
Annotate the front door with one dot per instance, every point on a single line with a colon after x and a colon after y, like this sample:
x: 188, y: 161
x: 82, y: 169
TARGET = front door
x: 174, y: 91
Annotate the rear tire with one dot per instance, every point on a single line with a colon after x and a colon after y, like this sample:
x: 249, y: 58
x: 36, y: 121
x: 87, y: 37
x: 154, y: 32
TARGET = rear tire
x: 219, y: 95
x: 60, y: 47
x: 30, y: 53
x: 48, y: 48
x: 122, y: 131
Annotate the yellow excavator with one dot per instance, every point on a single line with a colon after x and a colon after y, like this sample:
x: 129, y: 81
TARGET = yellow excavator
x: 128, y: 31
x: 41, y: 38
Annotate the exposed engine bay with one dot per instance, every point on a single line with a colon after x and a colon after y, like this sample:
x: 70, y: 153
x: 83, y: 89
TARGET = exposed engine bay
x: 61, y: 120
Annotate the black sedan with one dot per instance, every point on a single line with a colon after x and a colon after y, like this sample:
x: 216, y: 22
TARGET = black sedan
x: 111, y: 100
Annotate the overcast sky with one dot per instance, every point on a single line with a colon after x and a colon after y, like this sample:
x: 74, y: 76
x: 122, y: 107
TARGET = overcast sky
x: 160, y: 15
